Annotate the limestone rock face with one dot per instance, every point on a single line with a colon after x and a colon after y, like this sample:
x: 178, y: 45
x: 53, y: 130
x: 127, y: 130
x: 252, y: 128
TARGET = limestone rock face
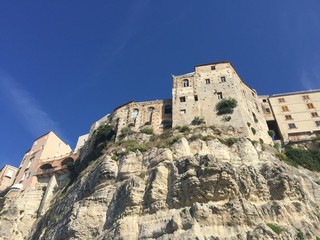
x: 190, y: 190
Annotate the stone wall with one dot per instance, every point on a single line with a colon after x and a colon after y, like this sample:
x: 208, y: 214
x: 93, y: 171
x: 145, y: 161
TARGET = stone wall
x: 196, y: 95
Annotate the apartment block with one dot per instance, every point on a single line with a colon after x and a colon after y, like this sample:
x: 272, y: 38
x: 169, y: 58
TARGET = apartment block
x: 297, y: 114
x: 45, y: 149
x: 7, y: 176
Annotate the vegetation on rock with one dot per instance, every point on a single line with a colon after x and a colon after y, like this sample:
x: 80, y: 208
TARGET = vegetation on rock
x: 226, y: 106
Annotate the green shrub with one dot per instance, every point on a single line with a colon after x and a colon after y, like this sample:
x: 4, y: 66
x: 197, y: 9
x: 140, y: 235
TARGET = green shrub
x: 125, y: 132
x: 249, y: 124
x: 147, y: 131
x: 226, y: 118
x: 254, y: 131
x: 306, y: 158
x: 261, y: 141
x: 275, y: 228
x: 229, y: 141
x: 184, y: 129
x: 277, y: 146
x: 226, y: 106
x: 114, y: 158
x: 104, y: 134
x: 133, y: 145
x: 282, y: 156
x: 271, y: 133
x: 195, y: 137
x: 198, y: 121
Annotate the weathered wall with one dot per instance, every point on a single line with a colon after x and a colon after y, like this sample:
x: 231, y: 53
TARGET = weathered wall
x: 205, y: 88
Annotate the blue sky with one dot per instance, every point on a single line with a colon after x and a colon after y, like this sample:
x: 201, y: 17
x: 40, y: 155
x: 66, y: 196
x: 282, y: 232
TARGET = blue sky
x: 65, y: 64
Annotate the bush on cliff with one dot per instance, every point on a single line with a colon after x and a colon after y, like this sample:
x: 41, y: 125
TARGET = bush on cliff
x: 226, y: 106
x: 306, y: 158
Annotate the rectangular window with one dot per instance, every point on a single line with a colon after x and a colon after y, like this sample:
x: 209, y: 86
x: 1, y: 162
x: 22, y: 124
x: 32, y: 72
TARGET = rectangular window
x: 219, y: 95
x: 268, y: 110
x: 183, y: 111
x: 292, y: 125
x: 196, y: 97
x: 185, y: 83
x: 264, y: 100
x: 310, y: 105
x: 223, y: 79
x: 314, y: 114
x: 288, y: 117
x: 318, y: 123
x: 285, y: 108
x: 281, y: 100
x: 305, y: 97
x: 207, y: 81
x: 9, y: 173
x: 182, y: 99
x: 213, y: 67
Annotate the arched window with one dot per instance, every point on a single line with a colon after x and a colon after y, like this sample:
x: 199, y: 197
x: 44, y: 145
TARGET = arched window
x: 185, y: 83
x: 66, y: 161
x: 168, y: 109
x: 150, y: 111
x: 135, y: 113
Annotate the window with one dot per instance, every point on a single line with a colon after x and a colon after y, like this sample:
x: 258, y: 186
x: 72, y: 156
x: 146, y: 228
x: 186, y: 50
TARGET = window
x: 29, y: 162
x: 213, y: 67
x: 183, y: 111
x: 185, y: 83
x: 305, y: 97
x: 288, y: 117
x: 196, y: 98
x: 219, y: 95
x: 135, y: 113
x: 281, y: 100
x: 314, y: 114
x: 24, y: 176
x: 268, y: 110
x: 223, y: 79
x: 150, y: 109
x: 207, y: 81
x: 285, y: 108
x: 9, y: 173
x: 182, y: 99
x: 264, y: 100
x: 168, y: 109
x: 318, y: 123
x: 292, y: 125
x: 310, y: 105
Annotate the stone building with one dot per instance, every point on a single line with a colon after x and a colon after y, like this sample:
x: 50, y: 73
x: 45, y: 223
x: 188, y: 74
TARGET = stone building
x: 196, y: 94
x: 136, y: 115
x: 45, y: 149
x: 7, y: 175
x: 153, y: 114
x: 297, y: 114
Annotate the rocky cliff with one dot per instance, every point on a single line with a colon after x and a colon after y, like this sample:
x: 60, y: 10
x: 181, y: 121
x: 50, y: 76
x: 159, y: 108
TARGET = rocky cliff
x: 200, y: 184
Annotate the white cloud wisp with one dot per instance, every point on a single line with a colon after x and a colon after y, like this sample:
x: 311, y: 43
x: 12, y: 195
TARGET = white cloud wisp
x: 30, y: 113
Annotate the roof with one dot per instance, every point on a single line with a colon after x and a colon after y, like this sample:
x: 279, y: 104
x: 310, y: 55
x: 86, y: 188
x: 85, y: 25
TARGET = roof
x: 295, y: 93
x: 213, y: 63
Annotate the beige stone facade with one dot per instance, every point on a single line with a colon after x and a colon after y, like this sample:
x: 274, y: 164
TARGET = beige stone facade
x: 297, y: 114
x: 136, y: 115
x: 45, y: 149
x: 7, y: 175
x: 196, y: 95
x: 154, y: 114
